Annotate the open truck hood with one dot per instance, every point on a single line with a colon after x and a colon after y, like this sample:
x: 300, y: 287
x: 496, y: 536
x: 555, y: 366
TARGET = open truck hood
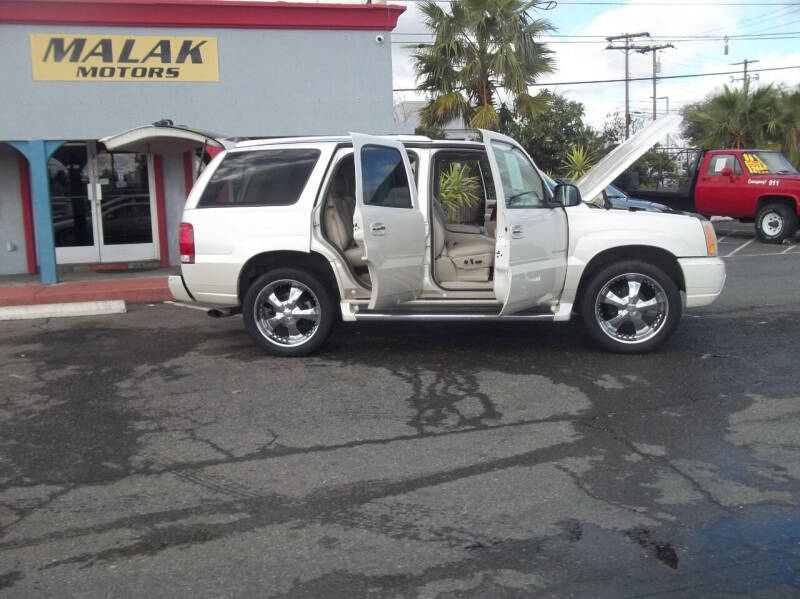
x: 163, y: 139
x: 624, y: 155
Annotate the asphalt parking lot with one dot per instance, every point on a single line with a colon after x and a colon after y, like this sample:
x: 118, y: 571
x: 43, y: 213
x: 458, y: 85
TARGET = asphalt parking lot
x: 159, y: 453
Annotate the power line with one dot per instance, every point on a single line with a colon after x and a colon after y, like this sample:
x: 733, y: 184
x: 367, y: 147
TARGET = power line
x: 663, y: 77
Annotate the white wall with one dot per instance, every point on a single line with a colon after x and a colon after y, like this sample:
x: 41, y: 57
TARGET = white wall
x: 11, y: 230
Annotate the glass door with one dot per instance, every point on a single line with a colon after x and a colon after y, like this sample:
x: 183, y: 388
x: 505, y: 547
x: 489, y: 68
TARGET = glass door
x: 103, y: 205
x: 72, y: 205
x: 127, y: 206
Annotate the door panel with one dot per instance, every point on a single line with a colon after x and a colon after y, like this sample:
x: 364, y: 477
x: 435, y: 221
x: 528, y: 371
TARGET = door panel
x: 387, y: 223
x: 715, y: 190
x: 127, y: 223
x: 71, y: 204
x: 532, y: 237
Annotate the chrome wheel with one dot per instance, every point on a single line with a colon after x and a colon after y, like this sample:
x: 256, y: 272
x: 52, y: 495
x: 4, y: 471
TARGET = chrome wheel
x: 631, y: 308
x: 772, y: 224
x: 287, y: 313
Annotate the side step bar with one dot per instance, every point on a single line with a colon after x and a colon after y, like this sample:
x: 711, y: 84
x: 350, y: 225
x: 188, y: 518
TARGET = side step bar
x: 466, y: 317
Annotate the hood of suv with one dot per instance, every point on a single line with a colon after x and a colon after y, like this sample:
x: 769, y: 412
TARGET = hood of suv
x: 624, y: 155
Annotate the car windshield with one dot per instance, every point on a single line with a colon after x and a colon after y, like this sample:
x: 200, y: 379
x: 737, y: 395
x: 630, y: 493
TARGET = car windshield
x: 768, y: 163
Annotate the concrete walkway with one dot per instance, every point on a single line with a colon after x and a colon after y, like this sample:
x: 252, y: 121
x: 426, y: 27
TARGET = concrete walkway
x: 133, y: 288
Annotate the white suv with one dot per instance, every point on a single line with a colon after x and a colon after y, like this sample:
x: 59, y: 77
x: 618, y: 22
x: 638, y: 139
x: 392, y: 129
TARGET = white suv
x: 297, y: 233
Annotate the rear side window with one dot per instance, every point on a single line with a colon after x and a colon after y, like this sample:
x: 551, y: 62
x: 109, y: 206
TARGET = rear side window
x: 384, y: 177
x: 260, y: 178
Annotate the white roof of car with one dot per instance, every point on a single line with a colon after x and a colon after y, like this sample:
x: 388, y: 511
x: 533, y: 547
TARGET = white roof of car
x: 272, y: 141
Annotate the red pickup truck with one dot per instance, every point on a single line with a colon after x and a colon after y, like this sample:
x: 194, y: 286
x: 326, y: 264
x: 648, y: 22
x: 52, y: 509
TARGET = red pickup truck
x: 759, y: 186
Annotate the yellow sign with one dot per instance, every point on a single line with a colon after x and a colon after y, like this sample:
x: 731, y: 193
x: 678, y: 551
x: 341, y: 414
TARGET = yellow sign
x: 754, y: 164
x: 62, y: 57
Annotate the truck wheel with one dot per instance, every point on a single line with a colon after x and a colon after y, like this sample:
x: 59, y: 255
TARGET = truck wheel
x: 775, y: 222
x: 630, y: 307
x: 288, y: 312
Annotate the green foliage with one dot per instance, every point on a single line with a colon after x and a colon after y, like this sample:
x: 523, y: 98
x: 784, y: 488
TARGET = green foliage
x: 478, y: 47
x: 549, y: 137
x: 577, y: 162
x: 432, y: 132
x: 652, y: 167
x: 735, y: 119
x: 458, y: 189
x: 766, y: 117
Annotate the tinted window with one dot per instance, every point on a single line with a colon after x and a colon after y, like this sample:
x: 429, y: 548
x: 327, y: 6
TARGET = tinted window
x: 384, y: 177
x: 721, y: 161
x: 262, y: 178
x: 522, y: 185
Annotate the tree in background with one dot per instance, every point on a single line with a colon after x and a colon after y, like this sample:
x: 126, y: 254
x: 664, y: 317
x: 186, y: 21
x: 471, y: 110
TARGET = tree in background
x: 550, y: 137
x: 480, y: 46
x: 735, y: 118
x: 790, y: 125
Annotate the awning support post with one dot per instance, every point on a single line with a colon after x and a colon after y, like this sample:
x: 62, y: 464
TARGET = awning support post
x: 38, y: 152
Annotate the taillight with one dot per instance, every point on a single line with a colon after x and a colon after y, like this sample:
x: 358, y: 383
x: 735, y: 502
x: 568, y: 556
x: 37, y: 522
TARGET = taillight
x: 186, y: 243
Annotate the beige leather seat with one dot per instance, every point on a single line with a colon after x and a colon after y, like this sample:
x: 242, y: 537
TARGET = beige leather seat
x: 459, y: 256
x: 338, y: 219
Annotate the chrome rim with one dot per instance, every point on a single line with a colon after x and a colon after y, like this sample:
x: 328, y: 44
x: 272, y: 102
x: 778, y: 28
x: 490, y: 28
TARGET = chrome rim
x: 631, y: 308
x: 287, y: 313
x: 772, y: 224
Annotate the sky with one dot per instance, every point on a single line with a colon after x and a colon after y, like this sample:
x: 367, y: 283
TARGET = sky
x: 679, y: 18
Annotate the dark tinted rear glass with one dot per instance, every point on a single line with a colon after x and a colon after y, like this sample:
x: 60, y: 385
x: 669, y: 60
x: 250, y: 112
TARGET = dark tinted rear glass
x: 384, y: 177
x: 261, y: 178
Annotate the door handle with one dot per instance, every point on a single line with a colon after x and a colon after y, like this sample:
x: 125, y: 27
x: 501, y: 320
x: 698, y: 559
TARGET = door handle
x: 517, y: 232
x: 377, y: 229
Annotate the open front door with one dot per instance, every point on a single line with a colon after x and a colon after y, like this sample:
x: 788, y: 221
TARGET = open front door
x: 532, y: 234
x: 387, y: 223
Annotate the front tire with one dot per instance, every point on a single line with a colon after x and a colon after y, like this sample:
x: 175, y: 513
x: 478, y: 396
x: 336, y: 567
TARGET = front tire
x: 288, y: 312
x: 630, y: 307
x: 776, y: 222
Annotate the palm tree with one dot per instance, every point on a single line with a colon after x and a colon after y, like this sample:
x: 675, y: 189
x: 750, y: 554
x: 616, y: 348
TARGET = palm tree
x: 577, y: 162
x: 480, y: 46
x: 790, y: 113
x: 737, y: 119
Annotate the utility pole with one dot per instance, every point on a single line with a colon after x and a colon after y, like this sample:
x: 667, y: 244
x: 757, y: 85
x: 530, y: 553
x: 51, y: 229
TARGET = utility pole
x: 664, y: 98
x: 745, y: 78
x: 654, y: 50
x: 626, y: 48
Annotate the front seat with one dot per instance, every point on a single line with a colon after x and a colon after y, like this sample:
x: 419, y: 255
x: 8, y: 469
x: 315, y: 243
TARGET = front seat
x: 459, y: 256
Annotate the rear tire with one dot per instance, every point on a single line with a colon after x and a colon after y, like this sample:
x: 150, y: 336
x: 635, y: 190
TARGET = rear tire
x: 288, y: 312
x: 630, y: 307
x: 776, y: 222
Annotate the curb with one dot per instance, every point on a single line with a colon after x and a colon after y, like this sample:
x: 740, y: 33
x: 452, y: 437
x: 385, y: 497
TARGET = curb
x: 61, y: 310
x: 133, y: 291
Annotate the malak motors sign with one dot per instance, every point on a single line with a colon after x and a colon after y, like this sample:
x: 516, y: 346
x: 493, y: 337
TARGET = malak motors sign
x: 73, y: 57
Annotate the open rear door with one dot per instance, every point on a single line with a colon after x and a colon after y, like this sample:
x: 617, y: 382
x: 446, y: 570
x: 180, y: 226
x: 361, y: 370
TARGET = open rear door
x: 532, y: 234
x: 162, y: 139
x: 387, y: 223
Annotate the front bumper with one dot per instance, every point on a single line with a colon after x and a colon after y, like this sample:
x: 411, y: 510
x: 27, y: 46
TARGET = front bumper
x: 704, y: 279
x: 178, y: 289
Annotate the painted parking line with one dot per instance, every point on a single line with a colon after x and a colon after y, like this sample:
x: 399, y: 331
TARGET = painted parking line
x: 721, y: 239
x: 789, y: 249
x: 773, y: 254
x: 741, y: 247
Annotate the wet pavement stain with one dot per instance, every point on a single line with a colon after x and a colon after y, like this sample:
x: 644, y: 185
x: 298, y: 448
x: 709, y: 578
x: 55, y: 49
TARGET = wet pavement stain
x: 663, y: 552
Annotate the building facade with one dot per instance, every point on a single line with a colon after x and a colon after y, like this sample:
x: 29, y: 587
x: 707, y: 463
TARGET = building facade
x: 92, y: 170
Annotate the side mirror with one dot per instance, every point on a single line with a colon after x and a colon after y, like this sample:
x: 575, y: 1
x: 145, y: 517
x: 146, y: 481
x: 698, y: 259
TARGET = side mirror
x: 566, y: 194
x: 727, y: 172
